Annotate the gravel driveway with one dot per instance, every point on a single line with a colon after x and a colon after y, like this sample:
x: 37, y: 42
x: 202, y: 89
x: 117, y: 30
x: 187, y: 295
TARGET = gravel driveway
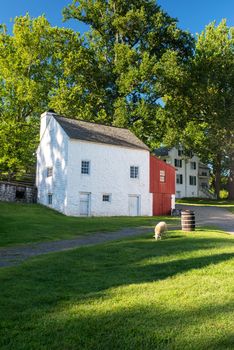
x: 15, y: 255
x: 212, y: 216
x: 205, y: 216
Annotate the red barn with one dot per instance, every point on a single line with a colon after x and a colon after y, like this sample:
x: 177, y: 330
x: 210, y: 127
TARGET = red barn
x: 162, y: 185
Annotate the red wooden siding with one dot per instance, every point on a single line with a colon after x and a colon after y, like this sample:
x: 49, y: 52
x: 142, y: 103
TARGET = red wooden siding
x: 162, y: 191
x: 161, y: 204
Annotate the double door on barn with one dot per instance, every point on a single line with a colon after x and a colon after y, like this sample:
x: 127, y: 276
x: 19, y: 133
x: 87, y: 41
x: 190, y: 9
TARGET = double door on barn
x: 133, y: 205
x: 162, y: 203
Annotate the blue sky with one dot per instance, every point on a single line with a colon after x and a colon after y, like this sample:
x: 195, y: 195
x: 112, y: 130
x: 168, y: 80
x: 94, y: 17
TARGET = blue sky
x: 193, y: 15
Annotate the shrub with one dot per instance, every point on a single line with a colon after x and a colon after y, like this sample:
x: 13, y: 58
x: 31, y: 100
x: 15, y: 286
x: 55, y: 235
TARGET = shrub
x: 223, y: 194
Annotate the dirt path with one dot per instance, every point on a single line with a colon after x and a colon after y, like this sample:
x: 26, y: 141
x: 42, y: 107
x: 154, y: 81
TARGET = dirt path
x: 205, y: 216
x: 15, y: 255
x: 212, y: 216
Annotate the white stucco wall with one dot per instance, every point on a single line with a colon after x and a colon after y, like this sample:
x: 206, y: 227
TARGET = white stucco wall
x: 52, y: 152
x: 109, y: 174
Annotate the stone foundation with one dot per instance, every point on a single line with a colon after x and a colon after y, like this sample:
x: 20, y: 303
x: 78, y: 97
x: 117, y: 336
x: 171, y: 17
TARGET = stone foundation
x: 16, y: 192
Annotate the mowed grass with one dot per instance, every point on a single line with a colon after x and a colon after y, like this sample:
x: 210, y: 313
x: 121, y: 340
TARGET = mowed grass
x: 24, y: 223
x: 223, y: 203
x: 177, y: 293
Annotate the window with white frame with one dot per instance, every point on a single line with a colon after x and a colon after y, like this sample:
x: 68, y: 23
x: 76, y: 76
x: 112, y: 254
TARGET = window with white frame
x: 178, y: 163
x: 162, y: 176
x: 106, y: 198
x: 85, y: 167
x: 179, y: 179
x: 193, y: 165
x: 50, y: 198
x: 192, y: 180
x: 134, y: 172
x: 49, y: 171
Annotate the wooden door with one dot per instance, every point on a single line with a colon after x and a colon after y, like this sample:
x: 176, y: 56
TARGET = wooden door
x: 84, y: 204
x: 133, y: 205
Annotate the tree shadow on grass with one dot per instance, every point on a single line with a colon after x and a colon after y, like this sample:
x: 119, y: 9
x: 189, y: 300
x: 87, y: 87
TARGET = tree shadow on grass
x: 44, y: 285
x: 93, y: 269
x: 138, y: 327
x: 152, y: 327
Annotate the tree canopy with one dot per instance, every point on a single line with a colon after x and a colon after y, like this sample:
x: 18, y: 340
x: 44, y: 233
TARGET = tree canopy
x: 199, y: 100
x: 133, y: 68
x: 31, y: 68
x: 128, y: 41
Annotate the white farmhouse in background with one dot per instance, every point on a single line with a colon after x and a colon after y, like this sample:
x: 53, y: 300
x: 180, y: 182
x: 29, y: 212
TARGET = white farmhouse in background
x: 88, y: 169
x: 192, y: 176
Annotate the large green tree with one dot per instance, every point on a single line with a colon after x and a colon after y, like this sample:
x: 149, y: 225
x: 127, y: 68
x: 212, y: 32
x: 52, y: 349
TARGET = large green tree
x: 127, y: 40
x: 110, y: 75
x: 31, y: 68
x: 199, y: 98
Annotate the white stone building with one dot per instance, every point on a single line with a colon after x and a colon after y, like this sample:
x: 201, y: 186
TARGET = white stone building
x: 88, y: 169
x: 192, y: 176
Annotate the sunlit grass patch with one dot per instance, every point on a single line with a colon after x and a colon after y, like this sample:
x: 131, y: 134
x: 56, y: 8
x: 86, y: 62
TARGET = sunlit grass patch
x: 136, y: 293
x: 30, y: 223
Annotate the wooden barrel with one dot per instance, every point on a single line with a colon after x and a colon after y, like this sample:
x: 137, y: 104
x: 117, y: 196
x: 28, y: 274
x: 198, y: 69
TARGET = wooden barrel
x: 187, y: 220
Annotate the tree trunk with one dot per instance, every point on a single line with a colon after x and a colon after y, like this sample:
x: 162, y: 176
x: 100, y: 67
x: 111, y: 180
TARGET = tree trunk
x: 218, y: 175
x: 231, y: 179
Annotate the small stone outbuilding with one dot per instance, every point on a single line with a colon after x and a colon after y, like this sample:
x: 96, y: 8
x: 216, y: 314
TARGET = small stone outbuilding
x: 17, y: 192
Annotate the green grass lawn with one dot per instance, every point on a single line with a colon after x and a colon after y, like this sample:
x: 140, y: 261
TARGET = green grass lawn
x: 228, y: 204
x: 177, y: 293
x: 24, y: 223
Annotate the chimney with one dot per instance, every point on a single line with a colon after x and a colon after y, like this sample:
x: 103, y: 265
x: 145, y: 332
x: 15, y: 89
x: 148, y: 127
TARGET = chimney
x: 45, y: 119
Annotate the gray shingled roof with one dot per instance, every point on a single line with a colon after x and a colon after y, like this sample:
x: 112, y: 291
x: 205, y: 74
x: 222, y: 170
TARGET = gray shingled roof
x: 162, y: 151
x: 82, y: 130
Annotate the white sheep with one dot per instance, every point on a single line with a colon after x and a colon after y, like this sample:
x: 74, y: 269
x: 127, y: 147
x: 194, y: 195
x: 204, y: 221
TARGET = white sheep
x: 160, y: 229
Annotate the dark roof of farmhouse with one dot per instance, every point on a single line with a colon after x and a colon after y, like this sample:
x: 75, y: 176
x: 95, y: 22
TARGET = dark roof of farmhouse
x: 162, y: 151
x: 93, y: 132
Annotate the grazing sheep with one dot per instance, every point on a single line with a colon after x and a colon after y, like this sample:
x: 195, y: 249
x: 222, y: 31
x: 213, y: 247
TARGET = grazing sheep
x: 160, y: 229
